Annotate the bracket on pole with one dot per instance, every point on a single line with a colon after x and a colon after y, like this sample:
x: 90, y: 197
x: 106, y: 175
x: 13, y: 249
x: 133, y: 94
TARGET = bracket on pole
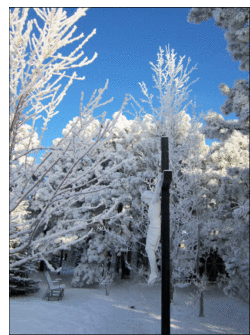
x: 167, y: 178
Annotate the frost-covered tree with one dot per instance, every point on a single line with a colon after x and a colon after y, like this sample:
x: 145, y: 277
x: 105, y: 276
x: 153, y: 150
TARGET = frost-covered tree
x: 58, y: 200
x: 190, y: 208
x: 237, y: 102
x: 94, y: 196
x: 36, y: 69
x: 227, y: 194
x: 227, y: 162
x: 235, y: 22
x: 123, y: 176
x: 120, y: 173
x: 133, y: 156
x: 20, y: 282
x: 187, y: 146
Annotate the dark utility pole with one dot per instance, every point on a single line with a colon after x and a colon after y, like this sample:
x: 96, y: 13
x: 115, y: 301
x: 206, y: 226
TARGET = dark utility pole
x: 165, y: 234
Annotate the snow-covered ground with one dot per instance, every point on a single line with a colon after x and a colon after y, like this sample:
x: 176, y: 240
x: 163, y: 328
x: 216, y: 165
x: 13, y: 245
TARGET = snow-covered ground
x: 90, y: 311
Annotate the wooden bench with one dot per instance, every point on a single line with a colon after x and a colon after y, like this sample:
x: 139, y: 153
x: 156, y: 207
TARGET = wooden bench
x: 53, y: 292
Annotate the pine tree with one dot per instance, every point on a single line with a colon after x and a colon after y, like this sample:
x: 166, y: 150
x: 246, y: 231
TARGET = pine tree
x: 235, y: 22
x: 227, y: 192
x: 20, y: 282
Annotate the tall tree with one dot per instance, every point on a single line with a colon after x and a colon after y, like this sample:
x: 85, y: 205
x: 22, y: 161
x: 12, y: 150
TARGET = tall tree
x: 36, y: 68
x: 187, y: 145
x: 235, y: 22
x: 20, y: 282
x: 228, y: 159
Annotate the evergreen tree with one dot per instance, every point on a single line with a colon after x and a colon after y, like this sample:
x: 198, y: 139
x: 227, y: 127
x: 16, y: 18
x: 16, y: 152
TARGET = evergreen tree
x: 235, y: 22
x: 20, y: 282
x: 228, y: 159
x: 227, y: 193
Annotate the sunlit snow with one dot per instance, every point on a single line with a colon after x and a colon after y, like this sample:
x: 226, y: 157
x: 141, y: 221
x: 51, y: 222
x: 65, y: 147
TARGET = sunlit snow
x: 132, y: 307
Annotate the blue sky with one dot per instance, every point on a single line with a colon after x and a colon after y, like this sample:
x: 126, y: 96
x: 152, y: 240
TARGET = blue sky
x: 127, y: 39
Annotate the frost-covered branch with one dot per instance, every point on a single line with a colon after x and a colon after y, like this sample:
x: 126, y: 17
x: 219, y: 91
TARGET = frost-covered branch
x: 37, y: 71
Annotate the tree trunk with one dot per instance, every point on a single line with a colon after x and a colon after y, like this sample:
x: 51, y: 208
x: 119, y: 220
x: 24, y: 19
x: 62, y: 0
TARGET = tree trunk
x: 142, y: 260
x: 61, y: 259
x: 129, y: 258
x: 201, y: 314
x: 108, y: 260
x: 117, y: 263
x: 125, y: 270
x: 106, y: 289
x: 41, y: 266
x: 123, y: 266
x: 42, y: 263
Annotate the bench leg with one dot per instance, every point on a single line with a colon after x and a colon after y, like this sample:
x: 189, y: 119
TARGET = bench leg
x: 53, y: 295
x: 46, y: 294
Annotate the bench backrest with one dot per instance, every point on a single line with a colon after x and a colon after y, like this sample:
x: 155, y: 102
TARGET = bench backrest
x: 49, y: 280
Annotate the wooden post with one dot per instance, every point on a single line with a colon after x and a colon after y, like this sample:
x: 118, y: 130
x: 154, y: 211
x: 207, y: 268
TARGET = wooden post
x: 165, y: 234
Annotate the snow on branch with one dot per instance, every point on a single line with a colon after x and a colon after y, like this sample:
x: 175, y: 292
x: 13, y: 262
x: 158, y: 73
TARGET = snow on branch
x: 36, y: 70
